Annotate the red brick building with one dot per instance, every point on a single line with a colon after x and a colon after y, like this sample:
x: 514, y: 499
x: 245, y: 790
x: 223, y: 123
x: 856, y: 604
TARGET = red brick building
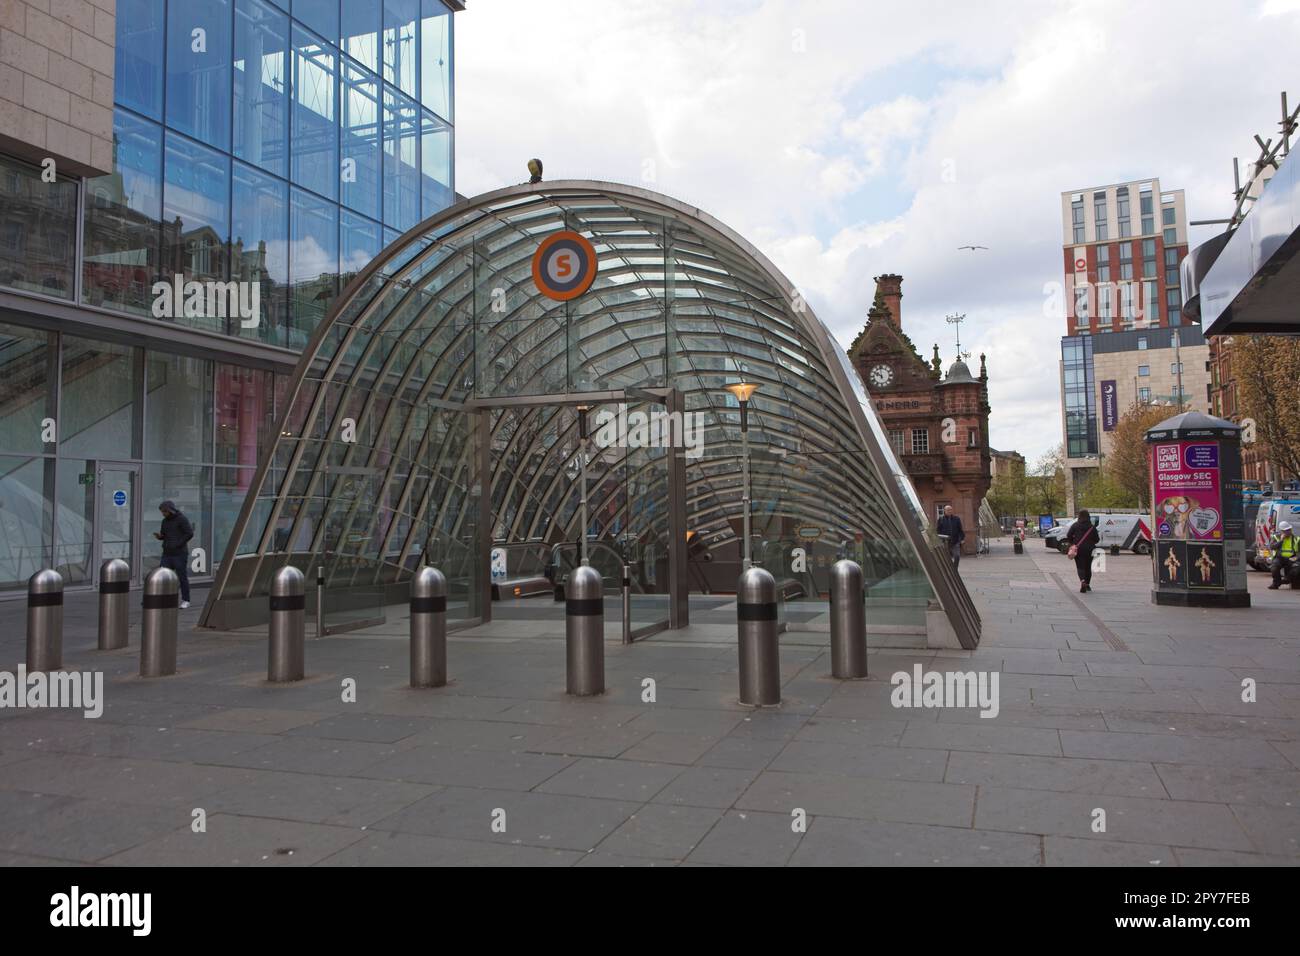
x: 938, y: 424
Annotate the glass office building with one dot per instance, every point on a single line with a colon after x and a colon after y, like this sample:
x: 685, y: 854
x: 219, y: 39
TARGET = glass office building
x: 276, y: 144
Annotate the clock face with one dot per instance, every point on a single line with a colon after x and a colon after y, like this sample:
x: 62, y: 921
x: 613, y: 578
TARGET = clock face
x: 881, y: 376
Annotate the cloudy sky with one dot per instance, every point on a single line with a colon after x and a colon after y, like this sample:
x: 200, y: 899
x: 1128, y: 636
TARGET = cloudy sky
x: 849, y: 138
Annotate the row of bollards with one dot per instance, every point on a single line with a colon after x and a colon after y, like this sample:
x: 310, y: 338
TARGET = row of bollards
x: 756, y: 620
x: 758, y: 631
x: 158, y: 623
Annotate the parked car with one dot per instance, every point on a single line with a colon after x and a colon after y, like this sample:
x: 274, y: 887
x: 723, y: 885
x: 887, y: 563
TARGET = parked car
x: 1055, y: 536
x: 1272, y: 511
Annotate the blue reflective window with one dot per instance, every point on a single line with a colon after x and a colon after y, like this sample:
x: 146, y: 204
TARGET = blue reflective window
x: 401, y: 172
x: 321, y: 15
x: 359, y: 32
x: 400, y: 18
x: 138, y: 77
x: 358, y: 244
x: 314, y: 149
x: 435, y: 57
x: 359, y: 140
x: 313, y: 263
x: 435, y: 165
x: 122, y: 215
x: 196, y: 214
x: 259, y: 231
x: 261, y: 85
x: 198, y: 69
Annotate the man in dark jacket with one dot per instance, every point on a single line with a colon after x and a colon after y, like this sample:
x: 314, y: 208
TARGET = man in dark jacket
x: 950, y: 525
x: 175, y: 536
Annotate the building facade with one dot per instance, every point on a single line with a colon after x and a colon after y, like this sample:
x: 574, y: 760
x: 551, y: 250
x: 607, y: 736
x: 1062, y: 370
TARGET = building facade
x: 1122, y: 246
x: 938, y: 425
x: 1256, y: 466
x: 1006, y: 464
x: 185, y: 189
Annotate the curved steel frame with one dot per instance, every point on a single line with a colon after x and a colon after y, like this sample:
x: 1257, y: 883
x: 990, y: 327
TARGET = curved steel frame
x: 669, y: 273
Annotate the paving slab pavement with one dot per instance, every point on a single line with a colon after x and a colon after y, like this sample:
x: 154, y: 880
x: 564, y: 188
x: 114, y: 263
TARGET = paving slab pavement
x: 1121, y: 738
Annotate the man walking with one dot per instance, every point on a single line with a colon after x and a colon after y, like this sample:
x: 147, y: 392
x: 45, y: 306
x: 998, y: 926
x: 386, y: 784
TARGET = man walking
x: 950, y: 525
x: 1286, y: 551
x: 175, y: 536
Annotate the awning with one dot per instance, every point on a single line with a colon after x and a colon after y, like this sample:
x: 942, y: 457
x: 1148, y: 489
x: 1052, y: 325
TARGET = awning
x: 1254, y: 284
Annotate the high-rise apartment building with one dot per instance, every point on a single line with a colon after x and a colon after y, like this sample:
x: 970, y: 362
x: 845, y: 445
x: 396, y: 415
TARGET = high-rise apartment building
x: 1125, y: 339
x: 186, y: 186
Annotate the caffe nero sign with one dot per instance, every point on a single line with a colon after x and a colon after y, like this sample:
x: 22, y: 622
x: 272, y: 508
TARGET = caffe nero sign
x: 1109, y: 406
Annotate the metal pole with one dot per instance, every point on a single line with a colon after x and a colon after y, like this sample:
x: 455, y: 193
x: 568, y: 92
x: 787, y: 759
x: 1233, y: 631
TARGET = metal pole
x: 288, y: 606
x: 848, y: 622
x: 45, y: 621
x: 114, y: 612
x: 320, y: 601
x: 161, y: 602
x: 582, y: 463
x: 428, y: 628
x: 1178, y: 362
x: 584, y: 633
x: 627, y: 604
x: 760, y: 657
x: 745, y: 562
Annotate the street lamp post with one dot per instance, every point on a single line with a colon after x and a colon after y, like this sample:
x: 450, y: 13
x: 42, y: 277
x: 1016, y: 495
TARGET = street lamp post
x: 582, y: 465
x: 1178, y: 364
x: 743, y: 391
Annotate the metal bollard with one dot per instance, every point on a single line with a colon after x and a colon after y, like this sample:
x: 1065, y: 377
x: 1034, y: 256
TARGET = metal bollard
x: 288, y: 609
x: 848, y: 622
x: 114, y: 611
x: 760, y: 657
x: 320, y: 601
x: 584, y: 633
x: 161, y: 604
x: 45, y: 621
x: 627, y: 604
x: 428, y: 628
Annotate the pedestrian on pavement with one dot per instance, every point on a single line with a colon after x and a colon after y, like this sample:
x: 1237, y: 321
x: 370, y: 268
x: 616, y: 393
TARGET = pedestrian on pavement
x: 1083, y: 539
x: 1286, y: 552
x: 950, y: 526
x: 175, y: 536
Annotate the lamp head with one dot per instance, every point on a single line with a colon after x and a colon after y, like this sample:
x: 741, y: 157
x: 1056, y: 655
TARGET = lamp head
x: 743, y: 390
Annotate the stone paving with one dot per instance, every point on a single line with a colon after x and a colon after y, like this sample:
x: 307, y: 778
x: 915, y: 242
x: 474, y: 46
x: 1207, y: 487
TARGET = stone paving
x: 1106, y: 703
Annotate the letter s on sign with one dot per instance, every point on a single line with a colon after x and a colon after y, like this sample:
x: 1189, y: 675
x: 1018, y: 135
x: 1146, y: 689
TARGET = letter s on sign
x: 562, y: 266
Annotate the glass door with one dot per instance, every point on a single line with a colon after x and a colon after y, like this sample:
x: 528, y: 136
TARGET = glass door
x: 644, y: 521
x: 117, y: 516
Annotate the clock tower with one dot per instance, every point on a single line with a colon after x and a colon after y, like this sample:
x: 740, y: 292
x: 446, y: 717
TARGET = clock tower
x: 937, y: 425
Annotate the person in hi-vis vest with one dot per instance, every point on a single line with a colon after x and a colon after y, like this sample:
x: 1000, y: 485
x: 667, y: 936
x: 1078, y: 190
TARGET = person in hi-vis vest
x: 1286, y: 553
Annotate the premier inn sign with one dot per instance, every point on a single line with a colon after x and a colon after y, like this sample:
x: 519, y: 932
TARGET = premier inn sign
x: 1109, y: 406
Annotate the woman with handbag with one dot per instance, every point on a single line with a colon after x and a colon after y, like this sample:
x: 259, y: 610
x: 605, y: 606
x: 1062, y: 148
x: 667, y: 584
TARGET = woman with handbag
x: 1083, y: 539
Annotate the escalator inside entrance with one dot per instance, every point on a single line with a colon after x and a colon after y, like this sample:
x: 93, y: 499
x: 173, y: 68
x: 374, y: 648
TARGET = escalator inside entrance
x: 543, y: 456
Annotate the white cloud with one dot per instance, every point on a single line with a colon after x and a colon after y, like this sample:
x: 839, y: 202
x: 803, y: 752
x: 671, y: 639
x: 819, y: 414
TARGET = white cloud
x: 846, y: 141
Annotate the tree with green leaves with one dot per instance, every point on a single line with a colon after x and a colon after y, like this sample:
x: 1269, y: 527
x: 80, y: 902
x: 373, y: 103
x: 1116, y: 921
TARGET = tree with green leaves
x: 1127, y: 469
x: 1266, y: 369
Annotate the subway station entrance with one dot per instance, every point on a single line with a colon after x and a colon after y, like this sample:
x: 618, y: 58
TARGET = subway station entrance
x: 436, y: 418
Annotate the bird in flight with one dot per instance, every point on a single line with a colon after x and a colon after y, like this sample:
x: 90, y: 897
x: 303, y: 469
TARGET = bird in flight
x: 972, y: 248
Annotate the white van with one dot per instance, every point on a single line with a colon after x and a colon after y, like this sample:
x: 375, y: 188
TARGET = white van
x: 1273, y: 511
x: 1129, y: 532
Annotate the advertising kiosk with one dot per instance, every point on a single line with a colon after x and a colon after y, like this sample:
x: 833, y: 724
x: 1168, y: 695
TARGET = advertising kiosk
x: 1196, y: 520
